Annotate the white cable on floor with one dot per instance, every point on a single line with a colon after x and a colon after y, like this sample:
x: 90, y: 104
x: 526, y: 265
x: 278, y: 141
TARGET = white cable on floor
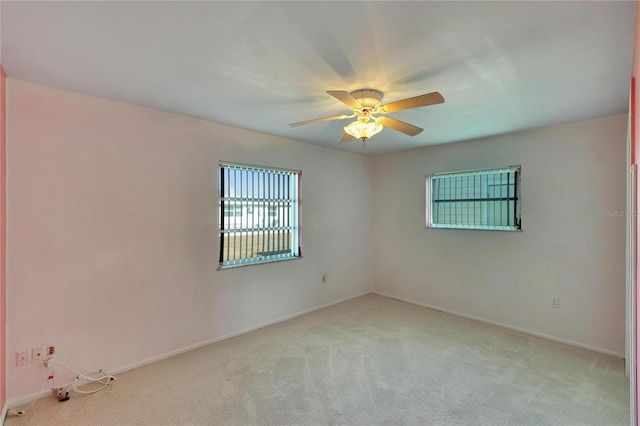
x: 103, y: 376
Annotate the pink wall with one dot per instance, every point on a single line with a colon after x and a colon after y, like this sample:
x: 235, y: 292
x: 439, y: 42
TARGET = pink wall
x: 3, y: 221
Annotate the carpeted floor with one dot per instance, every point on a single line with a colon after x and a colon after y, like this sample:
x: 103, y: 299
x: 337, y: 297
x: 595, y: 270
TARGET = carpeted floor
x: 368, y: 361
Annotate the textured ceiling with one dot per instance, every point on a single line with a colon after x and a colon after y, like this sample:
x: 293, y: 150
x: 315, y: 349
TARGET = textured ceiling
x: 501, y: 66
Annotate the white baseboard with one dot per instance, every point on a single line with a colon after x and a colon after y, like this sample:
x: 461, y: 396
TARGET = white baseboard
x: 47, y: 392
x: 228, y: 336
x: 509, y: 327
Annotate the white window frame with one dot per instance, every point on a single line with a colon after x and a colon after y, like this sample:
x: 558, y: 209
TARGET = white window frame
x: 430, y: 221
x: 269, y: 187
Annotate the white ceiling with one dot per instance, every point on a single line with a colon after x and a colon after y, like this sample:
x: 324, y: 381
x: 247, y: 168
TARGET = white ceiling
x: 501, y: 66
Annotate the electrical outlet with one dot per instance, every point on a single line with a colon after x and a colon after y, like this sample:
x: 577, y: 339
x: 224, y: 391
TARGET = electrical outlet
x: 22, y: 358
x: 325, y: 278
x: 555, y: 302
x: 48, y: 356
x: 37, y: 354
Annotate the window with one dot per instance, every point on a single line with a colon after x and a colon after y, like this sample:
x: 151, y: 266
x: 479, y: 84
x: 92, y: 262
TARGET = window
x: 258, y: 214
x: 479, y: 199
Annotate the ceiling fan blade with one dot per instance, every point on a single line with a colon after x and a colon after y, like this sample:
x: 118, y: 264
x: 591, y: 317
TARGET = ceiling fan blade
x: 401, y: 126
x: 345, y: 98
x: 318, y: 120
x: 346, y: 137
x: 415, y: 102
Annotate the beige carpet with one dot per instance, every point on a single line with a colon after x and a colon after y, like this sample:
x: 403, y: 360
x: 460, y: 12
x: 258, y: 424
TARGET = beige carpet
x: 368, y: 361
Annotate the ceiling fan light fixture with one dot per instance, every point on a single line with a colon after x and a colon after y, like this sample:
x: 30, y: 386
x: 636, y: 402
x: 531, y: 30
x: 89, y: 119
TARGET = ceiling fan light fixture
x: 366, y: 102
x: 363, y: 130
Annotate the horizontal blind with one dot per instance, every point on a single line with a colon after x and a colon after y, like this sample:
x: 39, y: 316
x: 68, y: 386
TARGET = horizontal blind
x: 258, y: 214
x: 478, y: 199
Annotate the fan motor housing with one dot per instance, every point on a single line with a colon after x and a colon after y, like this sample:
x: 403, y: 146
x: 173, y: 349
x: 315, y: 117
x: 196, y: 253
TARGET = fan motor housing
x: 368, y: 98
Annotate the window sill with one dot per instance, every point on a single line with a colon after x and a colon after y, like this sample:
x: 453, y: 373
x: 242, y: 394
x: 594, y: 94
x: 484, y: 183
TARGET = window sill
x: 265, y: 262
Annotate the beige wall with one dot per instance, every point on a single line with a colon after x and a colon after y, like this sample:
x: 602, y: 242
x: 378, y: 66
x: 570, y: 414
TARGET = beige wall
x: 570, y: 247
x: 113, y: 232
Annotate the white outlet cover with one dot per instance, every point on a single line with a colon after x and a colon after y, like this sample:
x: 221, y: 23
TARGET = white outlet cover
x: 22, y: 358
x: 37, y: 354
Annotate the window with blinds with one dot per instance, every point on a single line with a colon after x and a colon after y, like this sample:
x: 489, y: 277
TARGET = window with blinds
x: 258, y: 214
x: 478, y: 199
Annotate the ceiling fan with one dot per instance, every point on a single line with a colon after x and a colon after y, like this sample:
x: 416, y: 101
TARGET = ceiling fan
x: 364, y: 103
